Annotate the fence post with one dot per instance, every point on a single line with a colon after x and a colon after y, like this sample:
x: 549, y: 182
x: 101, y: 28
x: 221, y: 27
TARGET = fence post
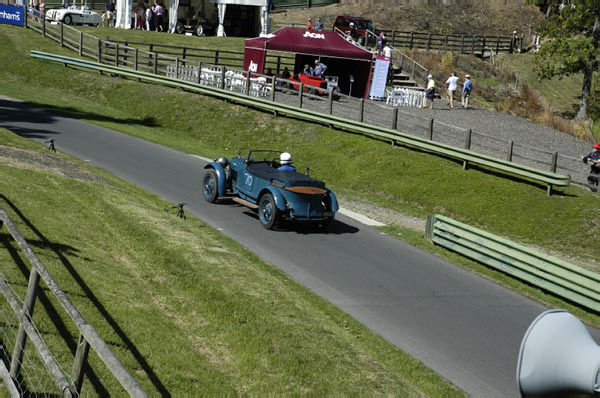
x: 223, y: 77
x: 217, y: 57
x: 83, y: 348
x: 509, y: 154
x: 498, y: 46
x: 467, y: 146
x: 393, y: 37
x: 483, y: 48
x: 21, y: 340
x: 429, y: 42
x: 43, y: 25
x: 446, y: 42
x: 61, y: 34
x: 278, y: 63
x: 117, y: 55
x: 183, y: 52
x: 430, y: 129
x: 137, y: 58
x: 176, y: 67
x: 331, y: 102
x: 412, y: 72
x: 155, y: 57
x: 25, y: 18
x: 361, y: 110
x: 554, y: 164
x: 462, y: 44
x: 411, y: 39
x: 300, y: 94
x: 273, y: 84
x: 248, y: 84
x: 80, y: 43
x: 200, y: 73
x: 395, y: 119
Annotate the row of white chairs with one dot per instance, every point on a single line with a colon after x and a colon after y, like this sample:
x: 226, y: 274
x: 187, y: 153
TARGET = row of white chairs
x: 405, y: 97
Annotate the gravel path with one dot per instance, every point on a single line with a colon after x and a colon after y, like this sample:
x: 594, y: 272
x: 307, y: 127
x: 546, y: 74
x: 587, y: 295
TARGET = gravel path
x: 533, y: 144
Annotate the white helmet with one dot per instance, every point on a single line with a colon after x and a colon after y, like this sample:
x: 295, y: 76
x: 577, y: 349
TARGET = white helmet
x: 285, y: 158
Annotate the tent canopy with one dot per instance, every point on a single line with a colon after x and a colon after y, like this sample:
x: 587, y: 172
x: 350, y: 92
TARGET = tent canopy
x: 302, y: 41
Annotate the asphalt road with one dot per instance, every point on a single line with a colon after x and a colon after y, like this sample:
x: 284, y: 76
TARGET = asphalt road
x: 464, y: 327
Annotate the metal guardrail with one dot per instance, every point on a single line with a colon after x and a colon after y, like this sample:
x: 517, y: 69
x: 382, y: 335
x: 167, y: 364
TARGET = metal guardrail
x: 394, y: 136
x: 546, y: 272
x: 88, y: 336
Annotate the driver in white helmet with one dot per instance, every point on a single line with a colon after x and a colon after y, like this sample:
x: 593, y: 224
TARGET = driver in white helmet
x: 286, y: 162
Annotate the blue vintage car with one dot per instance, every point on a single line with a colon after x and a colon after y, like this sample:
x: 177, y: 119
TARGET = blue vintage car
x: 277, y: 195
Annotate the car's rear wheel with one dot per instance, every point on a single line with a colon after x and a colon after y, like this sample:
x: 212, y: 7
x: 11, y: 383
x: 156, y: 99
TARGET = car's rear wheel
x: 68, y: 20
x: 179, y: 28
x: 200, y: 30
x: 267, y: 211
x: 210, y: 186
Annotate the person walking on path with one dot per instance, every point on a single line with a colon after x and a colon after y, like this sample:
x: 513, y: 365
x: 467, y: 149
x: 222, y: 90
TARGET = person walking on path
x: 429, y: 92
x: 466, y: 91
x: 319, y: 25
x: 451, y: 86
x: 309, y: 24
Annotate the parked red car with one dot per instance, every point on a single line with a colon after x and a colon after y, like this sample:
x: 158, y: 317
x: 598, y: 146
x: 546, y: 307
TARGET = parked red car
x: 361, y: 25
x: 308, y: 80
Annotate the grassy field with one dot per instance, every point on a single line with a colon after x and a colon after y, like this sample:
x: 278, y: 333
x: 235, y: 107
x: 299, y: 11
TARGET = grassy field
x: 184, y: 307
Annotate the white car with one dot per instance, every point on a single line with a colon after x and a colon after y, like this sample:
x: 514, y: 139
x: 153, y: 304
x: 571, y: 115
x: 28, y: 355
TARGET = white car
x: 74, y: 15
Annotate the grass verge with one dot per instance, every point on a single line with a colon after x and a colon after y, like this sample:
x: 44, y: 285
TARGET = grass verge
x: 184, y: 307
x: 397, y: 178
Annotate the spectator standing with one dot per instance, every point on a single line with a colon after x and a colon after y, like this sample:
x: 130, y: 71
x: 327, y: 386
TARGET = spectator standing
x: 319, y: 25
x: 319, y: 69
x: 158, y: 10
x: 429, y: 92
x: 309, y: 24
x: 466, y: 91
x: 380, y: 40
x: 140, y: 11
x: 149, y: 15
x: 594, y: 158
x: 387, y: 52
x: 451, y: 86
x: 286, y: 73
x: 110, y: 13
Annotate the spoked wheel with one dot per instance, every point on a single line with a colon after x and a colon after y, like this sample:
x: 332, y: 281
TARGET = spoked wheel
x: 267, y: 211
x: 210, y: 187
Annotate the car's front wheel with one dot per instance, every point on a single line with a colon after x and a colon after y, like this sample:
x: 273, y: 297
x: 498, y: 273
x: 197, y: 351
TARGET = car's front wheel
x: 68, y: 20
x: 267, y: 211
x: 210, y: 186
x: 199, y: 30
x: 179, y: 28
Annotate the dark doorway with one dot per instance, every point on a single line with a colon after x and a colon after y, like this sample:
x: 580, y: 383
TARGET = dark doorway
x: 241, y: 21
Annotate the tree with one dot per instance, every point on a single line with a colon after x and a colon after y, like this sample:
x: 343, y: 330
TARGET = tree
x: 571, y: 45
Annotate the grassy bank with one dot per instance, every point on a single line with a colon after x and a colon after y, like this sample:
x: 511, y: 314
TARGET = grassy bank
x: 356, y: 167
x: 184, y: 307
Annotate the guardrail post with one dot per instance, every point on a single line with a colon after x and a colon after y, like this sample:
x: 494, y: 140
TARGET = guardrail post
x: 83, y: 348
x: 467, y: 146
x: 300, y: 94
x: 176, y: 67
x: 61, y: 34
x: 155, y: 57
x: 99, y: 51
x: 509, y: 153
x: 80, y: 43
x: 395, y: 119
x: 248, y: 84
x: 362, y: 110
x: 554, y: 163
x: 117, y: 55
x: 330, y: 102
x: 137, y: 58
x: 430, y: 129
x: 429, y: 227
x: 273, y: 86
x: 21, y: 340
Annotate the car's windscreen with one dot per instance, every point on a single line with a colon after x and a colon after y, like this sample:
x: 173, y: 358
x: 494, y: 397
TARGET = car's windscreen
x: 364, y: 25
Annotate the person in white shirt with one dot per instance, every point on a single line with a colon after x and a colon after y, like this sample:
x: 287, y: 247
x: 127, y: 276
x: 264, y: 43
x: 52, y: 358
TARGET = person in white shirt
x: 451, y: 86
x: 429, y: 92
x: 387, y: 51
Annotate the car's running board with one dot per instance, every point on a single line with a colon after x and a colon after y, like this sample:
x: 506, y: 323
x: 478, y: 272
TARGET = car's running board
x: 245, y: 203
